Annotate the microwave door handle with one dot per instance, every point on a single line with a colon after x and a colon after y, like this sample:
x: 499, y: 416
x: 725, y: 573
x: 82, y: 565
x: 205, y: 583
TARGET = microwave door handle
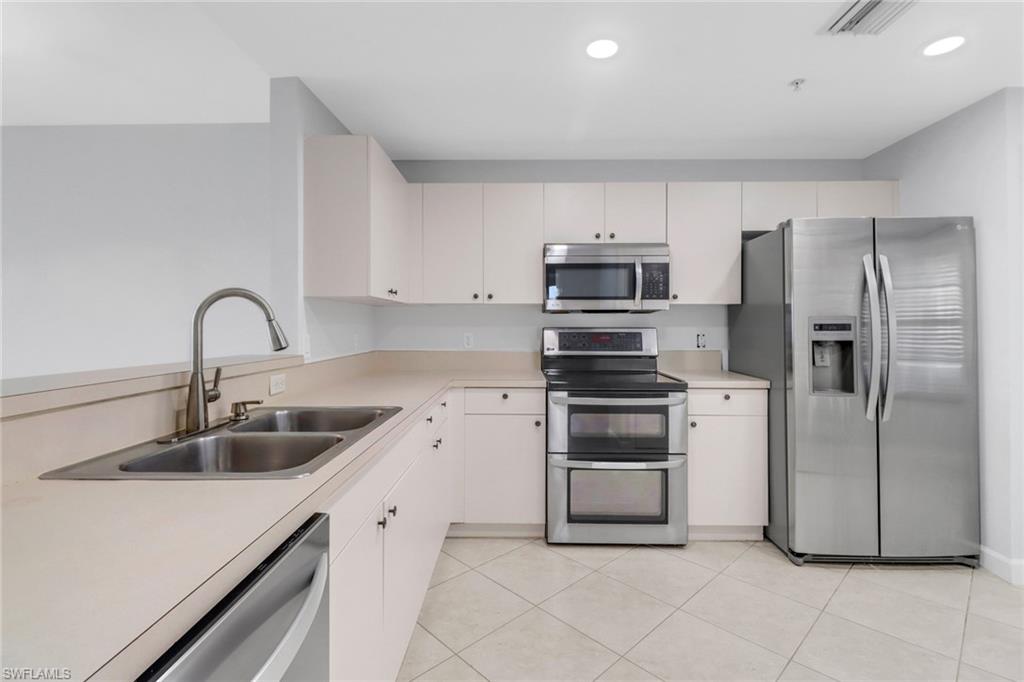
x: 618, y: 466
x: 286, y: 650
x: 616, y: 402
x: 638, y: 292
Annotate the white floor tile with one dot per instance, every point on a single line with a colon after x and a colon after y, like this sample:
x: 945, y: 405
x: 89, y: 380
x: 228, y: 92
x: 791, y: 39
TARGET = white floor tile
x: 464, y: 609
x: 713, y: 555
x: 664, y: 577
x: 625, y: 671
x: 897, y: 613
x: 424, y: 652
x: 765, y: 566
x: 616, y: 615
x: 846, y: 651
x: 534, y: 572
x: 771, y: 620
x: 795, y: 672
x: 687, y: 648
x: 475, y: 551
x: 537, y: 646
x: 994, y: 598
x: 453, y: 670
x: 994, y: 647
x: 946, y: 585
x: 446, y: 568
x: 969, y: 672
x: 594, y: 556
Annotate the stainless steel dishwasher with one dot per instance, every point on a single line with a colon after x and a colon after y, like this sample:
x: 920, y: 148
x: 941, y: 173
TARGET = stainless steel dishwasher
x: 273, y: 626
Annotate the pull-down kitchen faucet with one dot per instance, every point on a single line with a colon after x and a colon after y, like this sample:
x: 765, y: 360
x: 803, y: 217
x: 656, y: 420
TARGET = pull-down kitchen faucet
x: 197, y: 416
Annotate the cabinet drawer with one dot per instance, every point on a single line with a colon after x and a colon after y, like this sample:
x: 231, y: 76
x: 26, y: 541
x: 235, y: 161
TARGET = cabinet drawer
x: 504, y: 401
x: 743, y: 401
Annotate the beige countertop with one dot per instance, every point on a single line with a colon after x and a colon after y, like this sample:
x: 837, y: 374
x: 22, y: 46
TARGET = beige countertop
x: 704, y: 378
x: 94, y: 570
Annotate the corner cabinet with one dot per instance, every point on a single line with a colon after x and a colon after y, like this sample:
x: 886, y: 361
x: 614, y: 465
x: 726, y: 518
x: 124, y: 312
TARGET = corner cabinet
x: 360, y: 229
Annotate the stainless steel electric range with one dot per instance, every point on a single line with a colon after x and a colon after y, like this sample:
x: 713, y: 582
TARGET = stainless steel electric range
x: 616, y: 441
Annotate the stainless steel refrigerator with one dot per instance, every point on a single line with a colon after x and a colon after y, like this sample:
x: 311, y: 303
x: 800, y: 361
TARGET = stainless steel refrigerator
x: 866, y: 328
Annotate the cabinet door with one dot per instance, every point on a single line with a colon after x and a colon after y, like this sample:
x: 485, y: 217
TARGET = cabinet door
x: 705, y: 240
x: 513, y: 243
x: 766, y: 204
x: 453, y: 243
x: 357, y: 605
x: 574, y: 212
x: 412, y: 541
x: 727, y: 470
x: 389, y: 215
x: 873, y: 199
x: 634, y: 212
x: 505, y: 468
x: 412, y: 246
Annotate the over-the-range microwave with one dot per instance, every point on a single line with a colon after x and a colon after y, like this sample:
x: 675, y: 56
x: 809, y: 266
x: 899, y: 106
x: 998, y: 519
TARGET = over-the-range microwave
x: 605, y: 278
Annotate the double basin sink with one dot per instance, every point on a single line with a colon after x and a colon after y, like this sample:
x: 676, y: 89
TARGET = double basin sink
x: 281, y: 442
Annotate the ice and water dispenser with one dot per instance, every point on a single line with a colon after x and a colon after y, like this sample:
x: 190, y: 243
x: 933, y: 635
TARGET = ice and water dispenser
x: 833, y: 347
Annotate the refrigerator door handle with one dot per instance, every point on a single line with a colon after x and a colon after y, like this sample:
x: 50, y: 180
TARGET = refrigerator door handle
x: 890, y: 327
x: 876, y: 336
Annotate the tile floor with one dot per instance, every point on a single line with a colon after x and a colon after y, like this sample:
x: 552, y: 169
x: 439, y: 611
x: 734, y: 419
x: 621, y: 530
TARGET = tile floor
x: 519, y: 609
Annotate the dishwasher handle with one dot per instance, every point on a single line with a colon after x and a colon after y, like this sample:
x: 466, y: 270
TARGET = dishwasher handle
x: 286, y: 650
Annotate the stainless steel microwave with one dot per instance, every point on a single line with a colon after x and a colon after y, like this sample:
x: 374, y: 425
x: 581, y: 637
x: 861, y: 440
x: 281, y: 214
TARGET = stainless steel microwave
x: 602, y: 278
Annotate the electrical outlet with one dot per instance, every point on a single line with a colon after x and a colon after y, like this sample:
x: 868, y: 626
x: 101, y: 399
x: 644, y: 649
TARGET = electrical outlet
x: 467, y: 340
x: 278, y: 383
x: 702, y: 340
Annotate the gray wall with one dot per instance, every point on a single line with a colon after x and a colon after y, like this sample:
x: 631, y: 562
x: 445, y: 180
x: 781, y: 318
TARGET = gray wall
x: 629, y: 170
x: 970, y: 164
x: 113, y: 234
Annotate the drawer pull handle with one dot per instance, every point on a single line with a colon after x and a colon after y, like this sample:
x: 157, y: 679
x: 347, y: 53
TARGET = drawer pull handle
x: 693, y: 425
x: 504, y: 396
x: 430, y: 420
x: 383, y: 523
x: 393, y: 511
x: 728, y: 397
x: 444, y: 404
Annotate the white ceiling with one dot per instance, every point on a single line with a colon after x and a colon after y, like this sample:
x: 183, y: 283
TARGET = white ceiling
x: 511, y: 80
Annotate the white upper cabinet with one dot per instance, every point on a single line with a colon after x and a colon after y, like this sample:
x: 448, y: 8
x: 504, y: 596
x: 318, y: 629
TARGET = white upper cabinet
x: 634, y: 212
x: 513, y: 242
x: 766, y: 204
x: 705, y: 240
x: 453, y: 243
x: 356, y: 213
x: 874, y: 198
x: 574, y: 212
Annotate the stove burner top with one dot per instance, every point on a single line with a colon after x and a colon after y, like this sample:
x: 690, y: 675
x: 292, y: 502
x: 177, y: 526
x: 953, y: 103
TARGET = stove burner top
x: 618, y: 381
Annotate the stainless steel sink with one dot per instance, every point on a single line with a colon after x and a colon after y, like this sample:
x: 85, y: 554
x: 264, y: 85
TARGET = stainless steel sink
x: 315, y: 419
x: 235, y: 453
x: 275, y: 442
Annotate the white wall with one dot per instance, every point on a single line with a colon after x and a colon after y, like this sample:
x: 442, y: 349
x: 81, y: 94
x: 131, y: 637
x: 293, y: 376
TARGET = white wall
x: 970, y: 164
x: 517, y: 327
x: 113, y: 234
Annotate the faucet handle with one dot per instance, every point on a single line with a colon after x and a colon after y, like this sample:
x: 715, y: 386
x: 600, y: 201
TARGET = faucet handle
x: 240, y: 410
x: 213, y: 393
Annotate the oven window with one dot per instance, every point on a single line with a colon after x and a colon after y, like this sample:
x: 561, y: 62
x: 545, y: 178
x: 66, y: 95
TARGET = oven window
x: 618, y: 425
x: 597, y: 281
x: 604, y: 496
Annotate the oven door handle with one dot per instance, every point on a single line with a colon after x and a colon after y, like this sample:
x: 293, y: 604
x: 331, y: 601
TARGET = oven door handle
x: 618, y: 402
x: 617, y: 466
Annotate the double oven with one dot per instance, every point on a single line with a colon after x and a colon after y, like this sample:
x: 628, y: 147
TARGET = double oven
x: 616, y: 441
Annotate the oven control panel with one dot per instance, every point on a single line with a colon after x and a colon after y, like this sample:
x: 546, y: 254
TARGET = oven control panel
x: 590, y: 341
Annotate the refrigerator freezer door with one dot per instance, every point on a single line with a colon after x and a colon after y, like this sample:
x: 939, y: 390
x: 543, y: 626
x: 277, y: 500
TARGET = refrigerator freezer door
x: 928, y: 437
x: 832, y: 455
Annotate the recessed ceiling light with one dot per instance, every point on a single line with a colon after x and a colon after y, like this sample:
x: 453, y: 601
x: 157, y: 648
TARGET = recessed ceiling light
x: 602, y: 49
x: 943, y: 46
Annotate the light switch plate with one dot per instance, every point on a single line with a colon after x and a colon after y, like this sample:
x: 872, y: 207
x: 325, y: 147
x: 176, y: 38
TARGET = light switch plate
x: 278, y: 383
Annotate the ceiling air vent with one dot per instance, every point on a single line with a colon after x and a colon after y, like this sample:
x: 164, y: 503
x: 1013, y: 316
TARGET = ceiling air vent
x: 868, y: 17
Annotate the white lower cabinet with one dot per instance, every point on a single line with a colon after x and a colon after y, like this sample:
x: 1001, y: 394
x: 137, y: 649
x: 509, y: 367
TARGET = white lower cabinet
x: 357, y: 605
x: 727, y: 463
x: 505, y: 468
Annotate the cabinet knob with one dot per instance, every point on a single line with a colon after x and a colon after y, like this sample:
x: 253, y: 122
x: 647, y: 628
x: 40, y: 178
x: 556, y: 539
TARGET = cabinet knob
x: 611, y: 236
x: 504, y: 396
x: 437, y: 444
x: 693, y: 425
x: 393, y: 292
x: 444, y: 404
x: 430, y: 420
x: 536, y: 423
x: 728, y: 397
x: 393, y: 511
x: 490, y: 297
x: 476, y: 296
x: 597, y: 235
x: 383, y: 523
x: 675, y: 297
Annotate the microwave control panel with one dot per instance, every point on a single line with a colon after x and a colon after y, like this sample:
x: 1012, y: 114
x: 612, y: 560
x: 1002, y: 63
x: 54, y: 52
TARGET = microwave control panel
x: 655, y: 284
